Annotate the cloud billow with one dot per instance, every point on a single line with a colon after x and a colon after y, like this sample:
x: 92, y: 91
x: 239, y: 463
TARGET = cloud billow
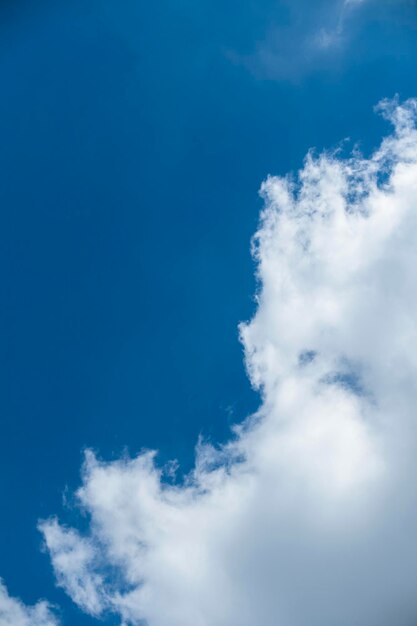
x: 15, y: 613
x: 308, y: 515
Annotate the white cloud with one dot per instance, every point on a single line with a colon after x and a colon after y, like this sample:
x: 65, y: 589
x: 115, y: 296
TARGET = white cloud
x: 314, y: 37
x: 14, y: 613
x: 75, y: 558
x: 308, y: 516
x: 334, y: 36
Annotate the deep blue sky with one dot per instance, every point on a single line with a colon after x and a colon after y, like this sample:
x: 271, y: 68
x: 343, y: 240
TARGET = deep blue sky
x: 133, y: 139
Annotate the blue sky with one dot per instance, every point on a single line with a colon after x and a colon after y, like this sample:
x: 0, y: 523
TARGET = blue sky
x: 134, y: 139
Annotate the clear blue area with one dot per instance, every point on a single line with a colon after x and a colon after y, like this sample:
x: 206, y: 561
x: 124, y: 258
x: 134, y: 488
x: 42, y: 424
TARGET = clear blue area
x: 133, y: 139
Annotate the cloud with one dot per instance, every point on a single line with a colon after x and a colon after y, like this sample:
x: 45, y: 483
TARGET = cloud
x: 336, y: 32
x: 308, y: 515
x: 304, y: 38
x: 297, y: 41
x: 14, y: 613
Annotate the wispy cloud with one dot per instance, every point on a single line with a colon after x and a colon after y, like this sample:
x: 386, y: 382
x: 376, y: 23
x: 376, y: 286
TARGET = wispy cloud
x: 317, y: 36
x: 307, y: 516
x: 353, y: 2
x: 15, y: 613
x: 301, y: 43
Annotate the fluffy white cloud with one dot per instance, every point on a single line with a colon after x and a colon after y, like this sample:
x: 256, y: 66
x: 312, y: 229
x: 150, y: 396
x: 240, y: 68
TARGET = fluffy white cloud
x: 14, y: 613
x: 308, y: 516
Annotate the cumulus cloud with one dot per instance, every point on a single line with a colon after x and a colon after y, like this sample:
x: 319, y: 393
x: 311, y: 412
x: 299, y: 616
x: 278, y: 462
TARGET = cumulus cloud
x: 14, y: 613
x: 308, y: 515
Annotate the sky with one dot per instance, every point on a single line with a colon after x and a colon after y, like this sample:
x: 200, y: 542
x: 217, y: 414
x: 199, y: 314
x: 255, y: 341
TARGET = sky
x: 179, y: 277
